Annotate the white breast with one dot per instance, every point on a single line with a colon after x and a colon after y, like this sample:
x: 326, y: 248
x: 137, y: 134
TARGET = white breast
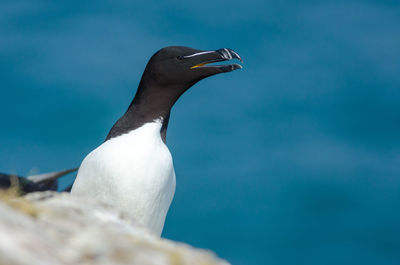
x: 133, y: 172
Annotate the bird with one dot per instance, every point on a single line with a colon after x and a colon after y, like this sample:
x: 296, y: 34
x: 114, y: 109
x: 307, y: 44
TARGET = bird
x: 132, y: 170
x: 33, y: 183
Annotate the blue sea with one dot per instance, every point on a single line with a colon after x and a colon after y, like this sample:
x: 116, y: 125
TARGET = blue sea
x: 295, y: 159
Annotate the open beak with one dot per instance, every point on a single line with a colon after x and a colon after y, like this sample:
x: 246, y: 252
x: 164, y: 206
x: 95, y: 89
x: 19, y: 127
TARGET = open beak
x: 202, y: 59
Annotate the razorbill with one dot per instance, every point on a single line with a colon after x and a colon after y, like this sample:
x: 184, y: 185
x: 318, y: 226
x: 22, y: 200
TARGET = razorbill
x: 33, y: 183
x: 133, y: 170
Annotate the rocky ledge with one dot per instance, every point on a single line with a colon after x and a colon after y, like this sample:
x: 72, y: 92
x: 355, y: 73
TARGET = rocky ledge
x: 56, y: 228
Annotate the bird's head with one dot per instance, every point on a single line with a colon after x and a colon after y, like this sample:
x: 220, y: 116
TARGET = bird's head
x: 183, y: 66
x: 168, y: 74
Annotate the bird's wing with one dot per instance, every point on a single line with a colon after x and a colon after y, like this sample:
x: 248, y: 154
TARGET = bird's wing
x: 40, y: 182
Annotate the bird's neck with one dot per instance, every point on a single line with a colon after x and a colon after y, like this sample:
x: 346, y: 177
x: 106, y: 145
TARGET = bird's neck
x: 149, y: 104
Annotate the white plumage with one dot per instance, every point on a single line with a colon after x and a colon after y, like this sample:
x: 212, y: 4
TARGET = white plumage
x: 133, y: 172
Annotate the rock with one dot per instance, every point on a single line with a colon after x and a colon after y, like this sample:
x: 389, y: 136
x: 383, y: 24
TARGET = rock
x: 49, y: 228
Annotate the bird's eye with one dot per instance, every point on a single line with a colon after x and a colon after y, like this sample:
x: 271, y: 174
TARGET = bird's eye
x: 179, y: 58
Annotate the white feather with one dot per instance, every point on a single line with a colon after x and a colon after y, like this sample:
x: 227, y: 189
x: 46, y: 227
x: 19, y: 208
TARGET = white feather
x: 133, y: 172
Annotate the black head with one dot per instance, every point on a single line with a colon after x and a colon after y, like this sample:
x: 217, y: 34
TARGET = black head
x: 168, y: 74
x: 184, y: 66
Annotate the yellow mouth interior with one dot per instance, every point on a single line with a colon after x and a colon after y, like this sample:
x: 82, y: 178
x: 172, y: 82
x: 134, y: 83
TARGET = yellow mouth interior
x: 198, y: 65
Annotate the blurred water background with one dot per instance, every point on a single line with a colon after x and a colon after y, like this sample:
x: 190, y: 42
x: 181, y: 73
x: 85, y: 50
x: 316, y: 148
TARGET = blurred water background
x: 293, y: 160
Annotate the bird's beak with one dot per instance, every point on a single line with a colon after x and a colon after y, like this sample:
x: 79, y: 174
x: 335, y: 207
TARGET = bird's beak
x: 201, y: 60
